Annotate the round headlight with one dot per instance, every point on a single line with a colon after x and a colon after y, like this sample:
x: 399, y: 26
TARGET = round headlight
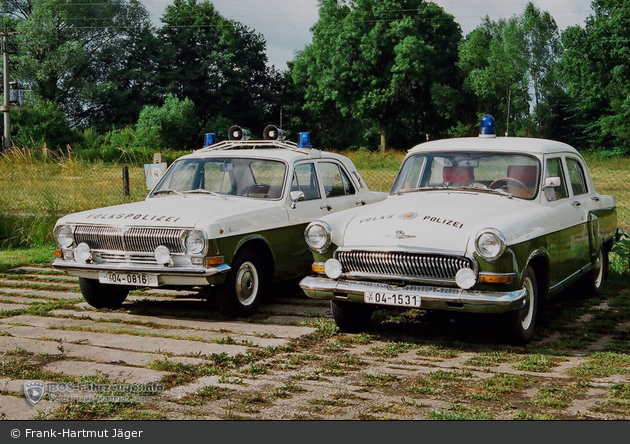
x: 318, y: 235
x: 162, y: 254
x: 64, y: 237
x: 333, y: 268
x: 82, y: 252
x: 465, y: 278
x: 195, y: 242
x: 490, y: 243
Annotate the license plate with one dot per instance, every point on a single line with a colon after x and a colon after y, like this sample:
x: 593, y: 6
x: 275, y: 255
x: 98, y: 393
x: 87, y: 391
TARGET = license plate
x: 390, y: 298
x: 108, y: 277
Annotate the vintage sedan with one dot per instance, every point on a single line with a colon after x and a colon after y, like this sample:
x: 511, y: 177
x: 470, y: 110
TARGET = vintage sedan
x: 228, y: 218
x: 481, y: 224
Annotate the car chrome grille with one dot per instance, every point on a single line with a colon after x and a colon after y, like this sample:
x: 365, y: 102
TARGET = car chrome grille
x: 129, y: 239
x: 402, y: 265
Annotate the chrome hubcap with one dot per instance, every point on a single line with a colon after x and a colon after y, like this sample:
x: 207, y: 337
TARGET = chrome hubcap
x: 527, y: 311
x: 247, y: 283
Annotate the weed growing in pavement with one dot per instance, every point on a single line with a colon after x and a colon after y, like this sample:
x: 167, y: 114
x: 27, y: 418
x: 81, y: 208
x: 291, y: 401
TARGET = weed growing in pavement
x: 378, y: 380
x: 554, y: 397
x: 602, y: 364
x: 287, y: 390
x: 390, y: 349
x: 538, y: 363
x: 181, y: 373
x: 461, y: 413
x: 491, y: 358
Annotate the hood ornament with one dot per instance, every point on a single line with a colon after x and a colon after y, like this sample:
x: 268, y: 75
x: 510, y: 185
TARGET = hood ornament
x: 400, y: 234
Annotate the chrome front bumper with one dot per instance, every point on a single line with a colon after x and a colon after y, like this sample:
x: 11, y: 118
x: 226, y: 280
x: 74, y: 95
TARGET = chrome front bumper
x: 167, y: 275
x: 432, y: 297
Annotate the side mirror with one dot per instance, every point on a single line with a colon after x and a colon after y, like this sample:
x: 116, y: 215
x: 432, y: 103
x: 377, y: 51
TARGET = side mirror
x: 551, y: 182
x: 296, y: 196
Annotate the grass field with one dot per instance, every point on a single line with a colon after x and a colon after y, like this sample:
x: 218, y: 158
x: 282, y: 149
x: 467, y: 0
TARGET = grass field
x: 37, y: 192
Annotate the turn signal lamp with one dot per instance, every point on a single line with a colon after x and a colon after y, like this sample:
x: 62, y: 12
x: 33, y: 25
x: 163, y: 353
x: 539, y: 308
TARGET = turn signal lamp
x: 495, y: 278
x: 214, y: 261
x: 487, y: 128
x: 318, y: 267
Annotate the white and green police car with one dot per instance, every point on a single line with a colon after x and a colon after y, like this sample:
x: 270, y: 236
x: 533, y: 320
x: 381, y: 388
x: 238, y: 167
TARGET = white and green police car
x: 229, y: 217
x: 482, y: 224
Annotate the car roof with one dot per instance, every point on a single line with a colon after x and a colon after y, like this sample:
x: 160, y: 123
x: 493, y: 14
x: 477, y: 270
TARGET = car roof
x: 500, y: 144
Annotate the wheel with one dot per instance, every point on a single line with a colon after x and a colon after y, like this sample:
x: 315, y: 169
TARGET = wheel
x: 351, y: 317
x: 504, y: 181
x: 522, y: 322
x: 593, y: 282
x: 244, y: 286
x: 102, y: 295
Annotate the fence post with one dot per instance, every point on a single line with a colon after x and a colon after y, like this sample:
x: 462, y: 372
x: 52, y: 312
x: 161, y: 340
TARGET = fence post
x: 125, y: 179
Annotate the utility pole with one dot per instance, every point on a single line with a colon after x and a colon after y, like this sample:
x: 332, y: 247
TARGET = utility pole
x: 7, y: 107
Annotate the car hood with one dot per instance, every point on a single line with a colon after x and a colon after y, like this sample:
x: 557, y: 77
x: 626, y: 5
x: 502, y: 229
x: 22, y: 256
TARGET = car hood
x: 171, y: 211
x: 436, y: 220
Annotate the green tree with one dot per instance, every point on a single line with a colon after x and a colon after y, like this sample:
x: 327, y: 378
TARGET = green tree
x: 384, y: 66
x: 596, y: 69
x: 511, y: 66
x: 494, y: 60
x: 217, y: 63
x: 70, y: 51
x: 543, y: 49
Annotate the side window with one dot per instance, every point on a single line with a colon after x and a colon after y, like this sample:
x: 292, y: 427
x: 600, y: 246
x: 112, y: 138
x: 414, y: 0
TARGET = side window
x: 335, y: 180
x: 553, y: 168
x: 305, y: 180
x: 576, y: 176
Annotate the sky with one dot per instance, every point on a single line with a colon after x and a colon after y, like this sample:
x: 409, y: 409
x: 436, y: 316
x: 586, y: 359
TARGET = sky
x: 285, y: 24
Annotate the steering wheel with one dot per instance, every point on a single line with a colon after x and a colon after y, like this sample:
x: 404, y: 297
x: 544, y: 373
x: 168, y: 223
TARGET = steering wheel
x: 504, y: 181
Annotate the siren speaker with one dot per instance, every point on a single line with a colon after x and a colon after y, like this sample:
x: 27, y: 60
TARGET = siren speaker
x: 238, y: 133
x: 271, y: 132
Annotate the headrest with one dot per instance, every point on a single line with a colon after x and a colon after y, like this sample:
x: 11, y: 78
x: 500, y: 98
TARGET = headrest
x: 456, y: 174
x: 524, y: 173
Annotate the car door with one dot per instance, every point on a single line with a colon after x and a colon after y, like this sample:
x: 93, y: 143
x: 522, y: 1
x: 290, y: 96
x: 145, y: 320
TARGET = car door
x: 305, y: 179
x: 587, y: 203
x: 339, y: 190
x: 567, y: 238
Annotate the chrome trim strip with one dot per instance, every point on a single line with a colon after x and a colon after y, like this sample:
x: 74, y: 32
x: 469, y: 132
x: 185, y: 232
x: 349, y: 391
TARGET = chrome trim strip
x: 431, y: 296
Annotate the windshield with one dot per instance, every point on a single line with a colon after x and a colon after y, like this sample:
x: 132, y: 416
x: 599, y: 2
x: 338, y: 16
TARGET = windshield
x: 257, y: 178
x: 516, y: 174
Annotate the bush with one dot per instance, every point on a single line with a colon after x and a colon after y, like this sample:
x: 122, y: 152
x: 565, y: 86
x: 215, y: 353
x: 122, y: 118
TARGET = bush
x: 173, y: 126
x: 44, y: 124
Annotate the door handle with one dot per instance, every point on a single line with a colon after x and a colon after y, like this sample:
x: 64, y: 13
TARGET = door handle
x: 595, y: 198
x: 360, y: 202
x: 328, y: 207
x: 576, y: 203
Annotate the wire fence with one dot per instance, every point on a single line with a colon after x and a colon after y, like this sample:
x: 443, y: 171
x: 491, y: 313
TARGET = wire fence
x: 36, y: 194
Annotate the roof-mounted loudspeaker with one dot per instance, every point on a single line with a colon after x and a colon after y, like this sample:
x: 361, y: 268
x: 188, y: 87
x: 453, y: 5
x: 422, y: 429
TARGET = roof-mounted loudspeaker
x: 271, y: 132
x: 238, y: 133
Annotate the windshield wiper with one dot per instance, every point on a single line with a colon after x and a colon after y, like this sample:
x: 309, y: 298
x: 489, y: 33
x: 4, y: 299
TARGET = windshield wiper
x: 413, y: 190
x: 202, y: 191
x: 167, y: 191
